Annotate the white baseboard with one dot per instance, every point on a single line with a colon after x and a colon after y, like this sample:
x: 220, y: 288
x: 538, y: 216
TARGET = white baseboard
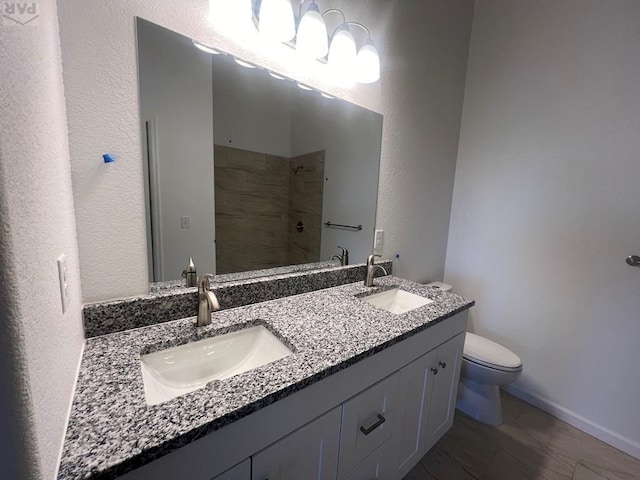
x: 614, y: 439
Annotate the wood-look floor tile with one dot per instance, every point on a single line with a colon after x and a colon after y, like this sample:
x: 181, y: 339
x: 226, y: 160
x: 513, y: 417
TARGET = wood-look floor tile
x: 512, y: 408
x: 583, y: 473
x: 419, y: 473
x: 507, y: 467
x: 533, y: 452
x: 470, y: 443
x: 442, y: 466
x: 529, y: 445
x: 591, y: 452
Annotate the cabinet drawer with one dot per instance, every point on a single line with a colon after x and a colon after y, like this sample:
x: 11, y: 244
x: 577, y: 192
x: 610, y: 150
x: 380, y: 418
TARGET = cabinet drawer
x: 367, y: 422
x: 377, y: 466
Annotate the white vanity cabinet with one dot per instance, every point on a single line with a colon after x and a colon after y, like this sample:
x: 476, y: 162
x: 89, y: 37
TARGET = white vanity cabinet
x: 309, y: 452
x: 445, y: 389
x: 372, y: 420
x: 429, y: 386
x: 416, y: 385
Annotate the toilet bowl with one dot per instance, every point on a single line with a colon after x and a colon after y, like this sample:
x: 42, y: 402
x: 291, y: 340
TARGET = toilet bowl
x: 486, y: 365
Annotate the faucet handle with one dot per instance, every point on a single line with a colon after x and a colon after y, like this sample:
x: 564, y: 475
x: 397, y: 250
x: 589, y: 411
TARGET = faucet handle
x: 204, y: 282
x: 371, y: 259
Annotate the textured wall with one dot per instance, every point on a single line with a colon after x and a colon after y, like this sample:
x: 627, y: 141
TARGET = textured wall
x: 546, y: 203
x: 423, y: 46
x: 37, y: 226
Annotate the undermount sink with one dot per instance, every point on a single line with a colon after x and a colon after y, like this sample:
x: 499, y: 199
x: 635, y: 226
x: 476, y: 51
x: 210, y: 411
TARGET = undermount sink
x: 396, y: 301
x: 178, y: 370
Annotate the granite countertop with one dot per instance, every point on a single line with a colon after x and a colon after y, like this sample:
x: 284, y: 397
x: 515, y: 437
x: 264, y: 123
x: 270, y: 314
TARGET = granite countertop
x: 111, y: 428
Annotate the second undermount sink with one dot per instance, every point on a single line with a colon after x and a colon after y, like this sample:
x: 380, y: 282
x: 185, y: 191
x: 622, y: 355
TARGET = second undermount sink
x: 178, y: 370
x: 397, y: 301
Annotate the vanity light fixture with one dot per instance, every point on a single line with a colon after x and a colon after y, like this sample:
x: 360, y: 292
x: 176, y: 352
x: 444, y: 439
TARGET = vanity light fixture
x: 205, y: 48
x: 275, y: 75
x: 303, y: 86
x: 307, y: 33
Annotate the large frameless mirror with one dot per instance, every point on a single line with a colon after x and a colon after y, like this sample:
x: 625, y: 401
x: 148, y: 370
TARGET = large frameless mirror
x: 247, y: 171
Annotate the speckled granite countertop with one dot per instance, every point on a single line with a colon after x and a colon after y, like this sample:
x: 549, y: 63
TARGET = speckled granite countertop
x: 111, y: 428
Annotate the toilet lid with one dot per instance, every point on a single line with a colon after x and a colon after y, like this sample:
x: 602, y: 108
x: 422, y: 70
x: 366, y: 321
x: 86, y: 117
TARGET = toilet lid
x: 490, y: 354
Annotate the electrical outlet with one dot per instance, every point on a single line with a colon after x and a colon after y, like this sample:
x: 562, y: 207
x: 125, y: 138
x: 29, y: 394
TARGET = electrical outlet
x: 185, y: 222
x: 378, y: 241
x: 63, y: 277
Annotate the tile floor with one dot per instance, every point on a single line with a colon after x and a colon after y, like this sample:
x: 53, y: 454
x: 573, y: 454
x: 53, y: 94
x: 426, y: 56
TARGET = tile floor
x: 530, y: 444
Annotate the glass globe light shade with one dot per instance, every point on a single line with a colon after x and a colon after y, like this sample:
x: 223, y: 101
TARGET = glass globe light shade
x: 342, y: 55
x: 368, y: 64
x: 276, y: 20
x: 312, y: 40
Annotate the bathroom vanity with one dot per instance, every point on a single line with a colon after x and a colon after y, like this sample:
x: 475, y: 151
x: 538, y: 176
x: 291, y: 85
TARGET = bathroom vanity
x: 364, y: 393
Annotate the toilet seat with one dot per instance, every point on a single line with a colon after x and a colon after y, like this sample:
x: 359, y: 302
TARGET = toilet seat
x: 487, y: 353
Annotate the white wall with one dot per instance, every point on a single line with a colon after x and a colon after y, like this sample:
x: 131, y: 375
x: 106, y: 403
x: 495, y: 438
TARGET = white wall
x: 423, y: 46
x: 176, y: 96
x: 351, y: 140
x: 40, y: 345
x: 546, y: 203
x: 252, y: 110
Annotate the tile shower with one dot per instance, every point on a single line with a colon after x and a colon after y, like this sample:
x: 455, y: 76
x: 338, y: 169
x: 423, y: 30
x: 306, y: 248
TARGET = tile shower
x: 259, y: 200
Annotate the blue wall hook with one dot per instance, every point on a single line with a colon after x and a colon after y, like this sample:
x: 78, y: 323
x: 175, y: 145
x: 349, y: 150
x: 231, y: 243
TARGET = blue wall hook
x: 108, y: 158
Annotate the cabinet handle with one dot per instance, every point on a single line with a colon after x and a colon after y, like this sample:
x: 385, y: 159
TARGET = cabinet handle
x: 443, y: 365
x: 434, y: 370
x: 370, y: 429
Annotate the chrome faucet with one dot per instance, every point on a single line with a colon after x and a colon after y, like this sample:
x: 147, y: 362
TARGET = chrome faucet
x: 207, y: 301
x: 371, y: 270
x: 344, y: 257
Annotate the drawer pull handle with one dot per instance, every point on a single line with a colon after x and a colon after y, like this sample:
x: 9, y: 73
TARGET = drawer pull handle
x: 380, y: 421
x: 443, y: 365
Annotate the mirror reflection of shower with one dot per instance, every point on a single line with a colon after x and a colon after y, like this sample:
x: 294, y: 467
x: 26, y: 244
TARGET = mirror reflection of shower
x: 260, y: 199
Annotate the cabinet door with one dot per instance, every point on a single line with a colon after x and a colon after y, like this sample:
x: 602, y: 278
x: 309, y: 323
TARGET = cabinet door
x: 310, y: 452
x: 242, y: 471
x: 416, y: 384
x: 445, y: 389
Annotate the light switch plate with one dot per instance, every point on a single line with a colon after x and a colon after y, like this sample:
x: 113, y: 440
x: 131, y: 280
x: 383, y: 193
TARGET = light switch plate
x: 185, y: 222
x: 63, y: 277
x: 378, y: 241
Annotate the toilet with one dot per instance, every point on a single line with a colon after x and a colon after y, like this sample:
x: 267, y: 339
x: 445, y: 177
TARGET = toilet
x: 486, y: 365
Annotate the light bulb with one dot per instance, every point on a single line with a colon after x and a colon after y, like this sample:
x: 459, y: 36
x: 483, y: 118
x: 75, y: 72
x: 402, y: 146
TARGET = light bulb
x: 312, y: 41
x: 342, y: 56
x: 276, y: 20
x: 368, y: 64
